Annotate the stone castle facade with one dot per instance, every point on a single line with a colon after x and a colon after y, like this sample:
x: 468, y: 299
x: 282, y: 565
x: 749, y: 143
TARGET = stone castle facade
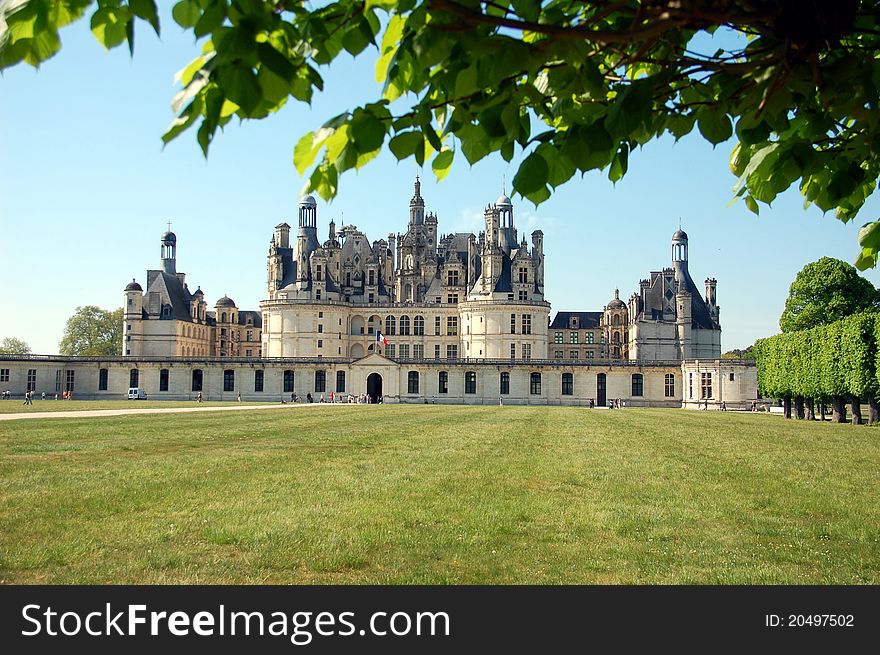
x: 421, y: 316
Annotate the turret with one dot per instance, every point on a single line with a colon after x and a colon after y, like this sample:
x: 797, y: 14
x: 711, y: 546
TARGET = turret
x: 417, y: 205
x: 710, y: 291
x: 680, y: 255
x: 169, y: 252
x: 307, y: 237
x: 132, y: 313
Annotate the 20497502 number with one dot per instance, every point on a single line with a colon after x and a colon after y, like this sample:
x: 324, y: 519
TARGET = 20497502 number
x: 821, y: 620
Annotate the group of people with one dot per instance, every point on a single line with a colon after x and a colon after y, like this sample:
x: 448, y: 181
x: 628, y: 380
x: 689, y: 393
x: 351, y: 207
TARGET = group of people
x: 29, y: 396
x: 334, y: 397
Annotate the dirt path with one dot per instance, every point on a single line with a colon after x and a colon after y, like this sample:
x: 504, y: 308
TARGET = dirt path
x: 92, y: 413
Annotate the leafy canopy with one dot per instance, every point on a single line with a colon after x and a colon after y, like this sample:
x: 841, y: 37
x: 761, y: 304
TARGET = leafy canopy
x: 92, y: 332
x: 14, y: 346
x: 566, y: 85
x: 824, y: 292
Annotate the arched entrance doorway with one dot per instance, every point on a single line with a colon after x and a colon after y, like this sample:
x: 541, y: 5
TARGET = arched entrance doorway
x: 600, y: 390
x: 374, y: 387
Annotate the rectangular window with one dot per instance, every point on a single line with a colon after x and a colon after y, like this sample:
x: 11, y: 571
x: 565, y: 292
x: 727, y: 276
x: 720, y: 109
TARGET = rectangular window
x: 288, y: 381
x: 567, y: 384
x: 436, y: 326
x: 573, y: 337
x: 412, y: 382
x: 589, y: 337
x: 602, y: 338
x: 505, y: 383
x: 535, y: 384
x: 527, y: 352
x: 526, y: 323
x: 638, y: 385
x: 70, y: 380
x: 320, y: 381
x: 705, y: 385
x: 372, y: 277
x: 452, y: 298
x: 103, y: 374
x: 58, y: 381
x: 437, y: 351
x: 228, y: 380
x: 163, y: 380
x: 443, y: 382
x: 418, y: 351
x: 258, y: 381
x: 31, y: 379
x: 690, y: 385
x: 340, y: 381
x: 470, y: 382
x: 557, y: 354
x: 250, y: 334
x: 523, y: 276
x: 557, y: 337
x: 731, y: 377
x: 4, y: 374
x: 523, y: 295
x: 452, y: 278
x: 512, y: 351
x: 513, y: 323
x: 451, y: 326
x: 590, y: 354
x: 320, y: 343
x: 391, y: 350
x: 320, y: 328
x: 669, y: 385
x: 451, y: 352
x: 404, y: 351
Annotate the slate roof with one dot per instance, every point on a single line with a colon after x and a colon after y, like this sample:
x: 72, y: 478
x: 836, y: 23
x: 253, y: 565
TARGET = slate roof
x: 586, y: 320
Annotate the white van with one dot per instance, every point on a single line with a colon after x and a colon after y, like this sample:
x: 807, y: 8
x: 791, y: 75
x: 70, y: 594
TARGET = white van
x: 137, y: 394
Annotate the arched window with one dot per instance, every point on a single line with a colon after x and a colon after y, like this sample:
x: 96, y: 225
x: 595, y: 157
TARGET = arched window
x: 615, y: 320
x: 197, y: 379
x: 102, y: 379
x: 223, y: 317
x: 567, y: 384
x: 229, y: 380
x: 288, y: 381
x: 443, y: 382
x: 419, y: 326
x: 535, y: 384
x: 133, y: 377
x: 470, y: 382
x: 163, y: 380
x: 638, y: 384
x: 404, y: 325
x: 412, y: 385
x: 390, y: 325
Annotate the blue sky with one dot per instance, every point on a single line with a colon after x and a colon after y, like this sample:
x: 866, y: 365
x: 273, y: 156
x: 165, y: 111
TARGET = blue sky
x: 86, y: 189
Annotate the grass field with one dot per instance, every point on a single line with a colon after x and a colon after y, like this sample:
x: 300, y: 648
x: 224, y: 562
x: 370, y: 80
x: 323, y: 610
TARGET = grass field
x: 433, y: 494
x: 18, y: 407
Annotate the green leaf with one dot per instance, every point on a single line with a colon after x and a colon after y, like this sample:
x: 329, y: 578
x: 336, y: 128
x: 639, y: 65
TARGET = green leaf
x: 109, y: 26
x: 630, y: 110
x: 404, y: 144
x: 240, y: 84
x: 441, y: 164
x: 752, y: 205
x: 869, y: 235
x: 146, y: 9
x: 619, y: 164
x: 532, y: 175
x: 186, y: 13
x: 211, y: 19
x: 714, y: 124
x: 367, y: 131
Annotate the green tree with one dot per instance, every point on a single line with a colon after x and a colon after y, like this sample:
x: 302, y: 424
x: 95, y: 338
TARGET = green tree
x: 824, y: 292
x: 14, y: 346
x: 740, y: 353
x: 92, y: 332
x: 565, y: 85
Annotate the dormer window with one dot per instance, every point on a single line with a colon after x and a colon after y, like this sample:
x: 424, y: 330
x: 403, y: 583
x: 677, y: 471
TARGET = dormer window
x: 573, y: 323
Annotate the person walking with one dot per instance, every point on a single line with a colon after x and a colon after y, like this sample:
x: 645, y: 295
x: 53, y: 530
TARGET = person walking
x: 27, y: 398
x: 199, y: 397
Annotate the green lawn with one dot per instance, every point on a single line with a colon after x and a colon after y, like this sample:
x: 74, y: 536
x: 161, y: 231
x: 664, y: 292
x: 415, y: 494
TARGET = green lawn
x: 13, y: 407
x: 438, y: 494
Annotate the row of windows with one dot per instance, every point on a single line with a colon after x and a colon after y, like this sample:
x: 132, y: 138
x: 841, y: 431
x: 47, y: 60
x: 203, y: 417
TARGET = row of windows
x: 470, y: 383
x: 228, y: 380
x: 575, y: 354
x: 574, y: 337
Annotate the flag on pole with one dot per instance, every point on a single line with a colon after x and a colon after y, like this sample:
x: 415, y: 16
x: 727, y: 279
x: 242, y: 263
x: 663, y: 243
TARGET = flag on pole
x: 381, y: 338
